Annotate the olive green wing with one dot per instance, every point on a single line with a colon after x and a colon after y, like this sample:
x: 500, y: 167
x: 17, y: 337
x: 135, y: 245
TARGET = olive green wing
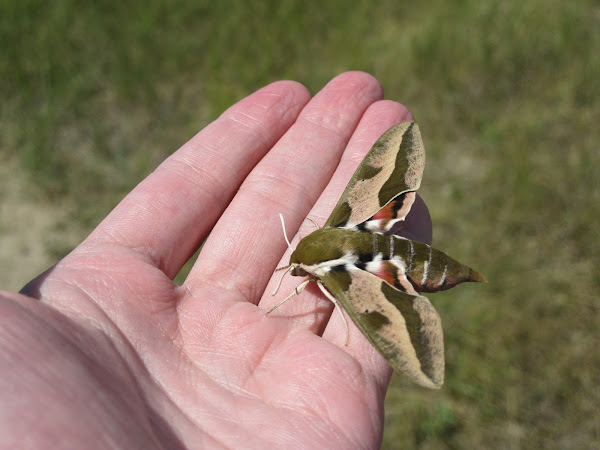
x: 393, y: 166
x: 404, y: 328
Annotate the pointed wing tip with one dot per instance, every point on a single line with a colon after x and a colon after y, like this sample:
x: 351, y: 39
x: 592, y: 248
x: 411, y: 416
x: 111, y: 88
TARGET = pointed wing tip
x: 435, y: 377
x: 431, y: 383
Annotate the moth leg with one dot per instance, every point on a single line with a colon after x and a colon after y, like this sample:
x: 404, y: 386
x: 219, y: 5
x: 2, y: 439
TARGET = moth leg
x: 296, y: 291
x: 337, y: 306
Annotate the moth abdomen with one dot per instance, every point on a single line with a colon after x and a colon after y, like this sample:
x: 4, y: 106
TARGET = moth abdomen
x: 432, y: 270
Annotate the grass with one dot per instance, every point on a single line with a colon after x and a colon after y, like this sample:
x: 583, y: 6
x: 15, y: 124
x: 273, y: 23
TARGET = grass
x: 506, y: 94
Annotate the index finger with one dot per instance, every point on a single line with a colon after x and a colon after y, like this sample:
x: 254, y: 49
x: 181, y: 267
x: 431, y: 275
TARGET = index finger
x: 166, y: 217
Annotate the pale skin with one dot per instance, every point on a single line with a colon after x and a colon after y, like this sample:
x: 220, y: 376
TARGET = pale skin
x: 104, y: 351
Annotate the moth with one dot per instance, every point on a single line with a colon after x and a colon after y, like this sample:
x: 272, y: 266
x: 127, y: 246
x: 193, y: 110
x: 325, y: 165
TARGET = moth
x: 377, y: 277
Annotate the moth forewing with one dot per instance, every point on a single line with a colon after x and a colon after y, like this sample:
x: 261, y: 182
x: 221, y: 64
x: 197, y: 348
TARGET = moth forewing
x: 405, y: 329
x: 394, y: 165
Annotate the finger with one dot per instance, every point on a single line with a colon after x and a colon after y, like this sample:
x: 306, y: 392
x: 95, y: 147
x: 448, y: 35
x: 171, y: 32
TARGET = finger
x: 168, y: 214
x: 416, y: 226
x: 246, y: 244
x: 313, y: 310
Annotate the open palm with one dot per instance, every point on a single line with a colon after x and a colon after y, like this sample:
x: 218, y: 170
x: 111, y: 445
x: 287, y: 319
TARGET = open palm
x: 116, y: 355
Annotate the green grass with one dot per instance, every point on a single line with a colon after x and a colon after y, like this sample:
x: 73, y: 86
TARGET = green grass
x: 506, y: 94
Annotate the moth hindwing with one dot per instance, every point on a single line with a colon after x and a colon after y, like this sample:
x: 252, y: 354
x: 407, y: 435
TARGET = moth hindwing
x: 377, y: 278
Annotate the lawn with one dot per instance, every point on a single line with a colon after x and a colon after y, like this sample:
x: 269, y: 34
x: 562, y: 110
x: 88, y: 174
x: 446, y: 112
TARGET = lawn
x: 506, y: 95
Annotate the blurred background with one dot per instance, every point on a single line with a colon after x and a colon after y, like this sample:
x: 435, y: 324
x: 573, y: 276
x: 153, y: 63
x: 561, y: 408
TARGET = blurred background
x: 96, y: 94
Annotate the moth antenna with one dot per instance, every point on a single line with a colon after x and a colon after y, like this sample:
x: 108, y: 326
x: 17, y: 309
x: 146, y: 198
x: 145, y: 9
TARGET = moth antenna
x: 337, y: 306
x: 314, y: 223
x: 284, y: 233
x: 281, y: 279
x: 296, y: 291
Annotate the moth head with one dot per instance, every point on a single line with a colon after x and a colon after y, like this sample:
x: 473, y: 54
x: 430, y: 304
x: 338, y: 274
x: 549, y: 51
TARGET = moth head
x: 294, y: 269
x: 297, y: 271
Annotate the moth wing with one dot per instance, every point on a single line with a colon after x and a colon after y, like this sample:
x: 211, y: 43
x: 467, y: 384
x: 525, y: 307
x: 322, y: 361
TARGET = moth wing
x: 393, y: 166
x: 404, y: 328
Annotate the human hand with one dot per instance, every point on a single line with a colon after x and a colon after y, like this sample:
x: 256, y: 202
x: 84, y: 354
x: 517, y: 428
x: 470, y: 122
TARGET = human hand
x: 115, y: 355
